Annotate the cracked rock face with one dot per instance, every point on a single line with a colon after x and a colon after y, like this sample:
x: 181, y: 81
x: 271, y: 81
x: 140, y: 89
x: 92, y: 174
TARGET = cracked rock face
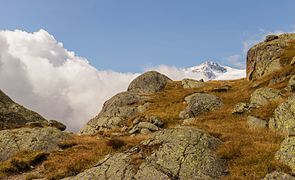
x: 199, y: 103
x: 149, y: 82
x: 286, y: 152
x: 278, y: 175
x: 115, y: 112
x: 181, y: 153
x: 29, y: 139
x: 284, y: 117
x: 13, y: 115
x: 265, y: 58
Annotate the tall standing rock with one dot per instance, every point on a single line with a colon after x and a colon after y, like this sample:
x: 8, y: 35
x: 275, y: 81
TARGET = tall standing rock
x: 271, y: 55
x: 13, y: 115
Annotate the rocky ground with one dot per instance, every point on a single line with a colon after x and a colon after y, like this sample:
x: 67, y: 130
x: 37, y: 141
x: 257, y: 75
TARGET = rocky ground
x: 164, y: 129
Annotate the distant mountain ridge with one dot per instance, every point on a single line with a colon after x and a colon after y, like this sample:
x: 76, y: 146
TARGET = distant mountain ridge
x: 210, y: 70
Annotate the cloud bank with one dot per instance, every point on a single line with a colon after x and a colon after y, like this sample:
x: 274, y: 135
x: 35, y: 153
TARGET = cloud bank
x: 38, y: 72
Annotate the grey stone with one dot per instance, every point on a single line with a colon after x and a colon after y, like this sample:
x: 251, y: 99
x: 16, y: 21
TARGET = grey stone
x: 254, y: 122
x: 149, y: 82
x: 278, y: 176
x: 13, y: 115
x: 191, y: 83
x: 293, y: 61
x: 263, y: 96
x: 135, y: 129
x: 56, y: 124
x: 241, y: 108
x: 145, y: 131
x: 148, y: 125
x: 284, y: 117
x: 29, y: 139
x: 291, y: 83
x: 270, y: 38
x: 179, y: 153
x: 286, y: 153
x: 115, y: 112
x: 199, y: 103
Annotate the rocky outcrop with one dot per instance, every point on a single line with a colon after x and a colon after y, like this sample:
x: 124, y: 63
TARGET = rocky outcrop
x: 13, y: 115
x: 176, y: 154
x: 284, y: 117
x: 269, y: 56
x: 29, y: 139
x: 278, y: 176
x: 263, y: 96
x: 149, y: 82
x: 191, y: 83
x: 199, y: 103
x: 115, y: 112
x: 286, y: 153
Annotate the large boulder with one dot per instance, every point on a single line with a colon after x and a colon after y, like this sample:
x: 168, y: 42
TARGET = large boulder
x: 13, y: 115
x: 199, y: 103
x: 115, y: 112
x: 179, y: 153
x: 29, y: 139
x: 269, y: 56
x: 284, y: 117
x: 149, y: 82
x: 263, y: 96
x: 286, y: 153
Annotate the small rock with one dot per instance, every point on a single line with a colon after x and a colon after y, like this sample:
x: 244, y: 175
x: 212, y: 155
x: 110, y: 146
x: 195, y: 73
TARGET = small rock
x: 148, y: 125
x: 35, y: 124
x: 291, y: 84
x: 135, y: 129
x: 279, y: 176
x: 222, y: 88
x: 145, y: 131
x: 56, y: 124
x: 254, y: 122
x: 191, y: 83
x: 293, y: 61
x: 270, y: 38
x: 240, y: 108
x: 157, y: 121
x: 123, y: 129
x: 136, y: 121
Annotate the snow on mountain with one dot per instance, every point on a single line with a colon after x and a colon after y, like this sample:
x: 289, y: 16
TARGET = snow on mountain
x: 208, y: 70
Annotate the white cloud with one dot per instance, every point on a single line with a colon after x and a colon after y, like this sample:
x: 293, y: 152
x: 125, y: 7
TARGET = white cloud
x: 36, y: 71
x: 39, y: 73
x: 236, y: 61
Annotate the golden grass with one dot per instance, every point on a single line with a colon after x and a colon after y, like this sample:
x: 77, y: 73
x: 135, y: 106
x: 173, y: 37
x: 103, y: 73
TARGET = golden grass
x: 83, y: 152
x: 21, y: 162
x: 249, y: 153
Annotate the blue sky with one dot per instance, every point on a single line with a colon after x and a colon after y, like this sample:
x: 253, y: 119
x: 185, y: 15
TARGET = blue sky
x: 129, y: 35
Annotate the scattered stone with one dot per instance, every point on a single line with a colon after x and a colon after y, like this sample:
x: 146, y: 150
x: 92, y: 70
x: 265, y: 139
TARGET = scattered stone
x: 254, y: 122
x: 134, y: 130
x: 263, y: 96
x: 157, y: 121
x: 241, y: 108
x: 123, y: 129
x: 191, y: 83
x: 29, y: 139
x: 176, y: 154
x: 271, y: 38
x: 291, y: 84
x: 293, y: 61
x: 286, y: 153
x: 145, y: 131
x: 222, y: 89
x: 149, y: 82
x: 188, y: 121
x: 284, y: 117
x: 136, y: 121
x: 278, y: 176
x: 148, y: 125
x: 199, y: 103
x: 56, y: 124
